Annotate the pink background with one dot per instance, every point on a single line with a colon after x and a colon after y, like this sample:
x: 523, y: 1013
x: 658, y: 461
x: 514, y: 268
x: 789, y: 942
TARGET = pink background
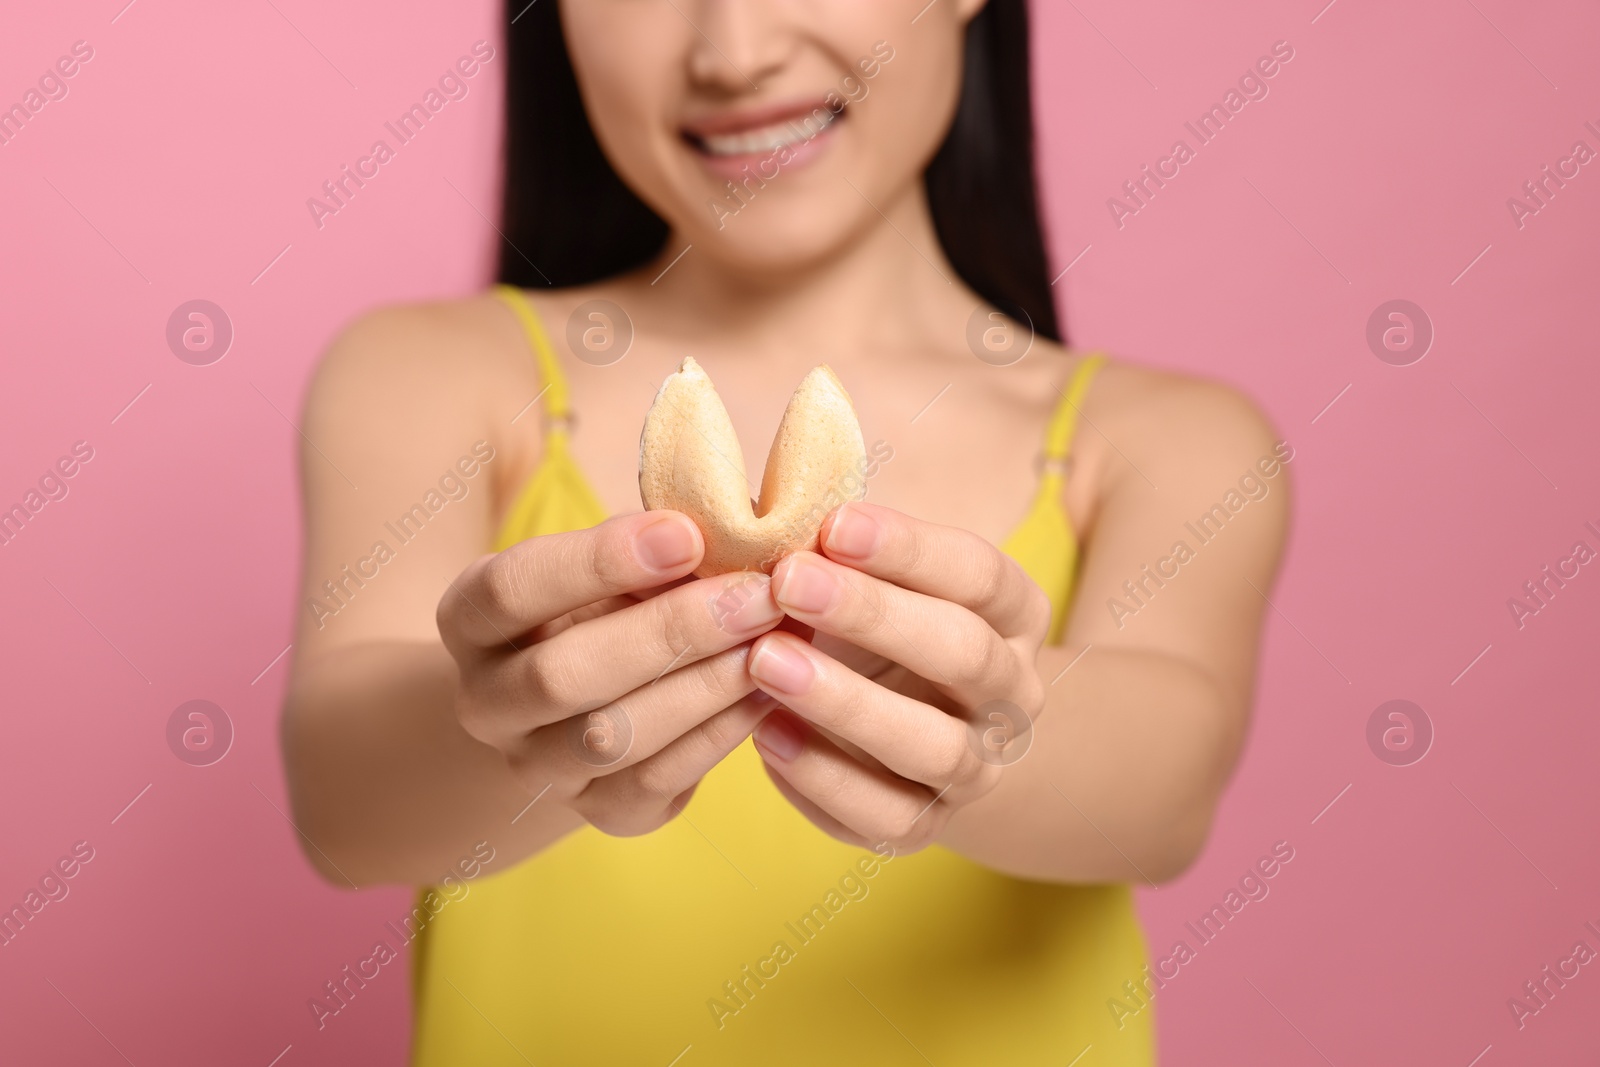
x: 1377, y: 168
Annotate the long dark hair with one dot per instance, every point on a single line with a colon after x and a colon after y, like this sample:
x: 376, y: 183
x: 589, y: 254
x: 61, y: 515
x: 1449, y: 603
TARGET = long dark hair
x: 568, y: 219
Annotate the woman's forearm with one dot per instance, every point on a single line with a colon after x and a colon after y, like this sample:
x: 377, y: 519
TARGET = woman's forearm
x: 1125, y: 767
x: 1119, y: 783
x: 385, y: 785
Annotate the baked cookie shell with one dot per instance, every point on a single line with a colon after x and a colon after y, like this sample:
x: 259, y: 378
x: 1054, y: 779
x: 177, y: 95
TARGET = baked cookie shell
x: 690, y: 461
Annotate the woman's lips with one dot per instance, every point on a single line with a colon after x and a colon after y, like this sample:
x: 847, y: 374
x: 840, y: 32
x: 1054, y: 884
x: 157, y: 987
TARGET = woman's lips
x: 727, y: 144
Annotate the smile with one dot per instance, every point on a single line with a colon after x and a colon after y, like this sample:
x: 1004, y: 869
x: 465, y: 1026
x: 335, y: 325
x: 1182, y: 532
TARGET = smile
x: 760, y: 132
x: 769, y: 138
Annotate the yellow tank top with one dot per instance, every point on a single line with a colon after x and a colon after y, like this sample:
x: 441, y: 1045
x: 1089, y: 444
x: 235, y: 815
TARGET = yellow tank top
x: 740, y: 934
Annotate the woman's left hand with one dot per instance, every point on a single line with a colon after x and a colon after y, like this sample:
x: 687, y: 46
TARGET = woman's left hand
x: 887, y: 748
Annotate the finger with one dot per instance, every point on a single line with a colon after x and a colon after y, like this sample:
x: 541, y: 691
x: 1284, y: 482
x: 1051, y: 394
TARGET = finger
x: 499, y: 599
x: 605, y: 658
x: 869, y: 802
x: 821, y: 819
x: 906, y: 736
x: 623, y: 733
x: 940, y: 561
x: 937, y: 639
x: 649, y: 793
x: 545, y: 631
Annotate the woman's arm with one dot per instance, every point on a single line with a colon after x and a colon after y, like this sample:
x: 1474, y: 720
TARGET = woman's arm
x: 385, y: 784
x: 442, y: 697
x: 1141, y: 732
x: 1138, y: 718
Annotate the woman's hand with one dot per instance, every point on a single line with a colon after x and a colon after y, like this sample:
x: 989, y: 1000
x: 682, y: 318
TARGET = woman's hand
x: 952, y: 627
x: 614, y: 694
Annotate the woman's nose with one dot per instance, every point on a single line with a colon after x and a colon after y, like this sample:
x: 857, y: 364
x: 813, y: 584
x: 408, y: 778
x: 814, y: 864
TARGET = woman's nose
x: 738, y: 43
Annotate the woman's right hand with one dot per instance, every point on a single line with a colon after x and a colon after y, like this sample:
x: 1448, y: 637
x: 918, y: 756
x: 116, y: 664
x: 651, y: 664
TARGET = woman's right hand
x: 596, y: 683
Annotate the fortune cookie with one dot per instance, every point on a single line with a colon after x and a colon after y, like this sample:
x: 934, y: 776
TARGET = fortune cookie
x: 690, y: 461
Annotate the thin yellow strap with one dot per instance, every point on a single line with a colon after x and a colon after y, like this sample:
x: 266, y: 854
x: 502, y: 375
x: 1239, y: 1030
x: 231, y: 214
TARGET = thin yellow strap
x: 1058, y: 440
x: 555, y: 391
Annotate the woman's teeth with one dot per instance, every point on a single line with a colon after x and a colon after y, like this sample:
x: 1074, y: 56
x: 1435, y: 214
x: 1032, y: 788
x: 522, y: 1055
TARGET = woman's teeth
x: 769, y: 138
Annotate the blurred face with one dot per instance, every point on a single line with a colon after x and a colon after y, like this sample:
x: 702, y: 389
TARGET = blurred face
x: 745, y: 123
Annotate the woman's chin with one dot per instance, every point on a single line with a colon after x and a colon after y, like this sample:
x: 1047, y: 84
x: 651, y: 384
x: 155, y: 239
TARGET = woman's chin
x: 803, y: 222
x: 776, y: 244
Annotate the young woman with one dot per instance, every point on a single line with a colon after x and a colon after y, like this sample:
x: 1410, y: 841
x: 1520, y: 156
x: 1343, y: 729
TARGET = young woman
x: 883, y: 806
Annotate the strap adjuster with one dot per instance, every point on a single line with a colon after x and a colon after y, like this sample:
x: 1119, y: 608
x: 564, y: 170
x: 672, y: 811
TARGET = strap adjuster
x: 1048, y: 464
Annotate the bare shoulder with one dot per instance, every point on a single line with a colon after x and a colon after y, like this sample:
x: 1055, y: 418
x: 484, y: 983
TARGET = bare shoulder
x: 1155, y: 439
x: 430, y: 352
x: 1162, y: 408
x: 411, y: 379
x: 1173, y: 421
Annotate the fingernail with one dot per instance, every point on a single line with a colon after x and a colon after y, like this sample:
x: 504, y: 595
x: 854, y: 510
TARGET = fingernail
x: 852, y: 533
x: 805, y: 585
x: 752, y: 606
x: 665, y: 544
x: 776, y: 666
x: 780, y: 736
